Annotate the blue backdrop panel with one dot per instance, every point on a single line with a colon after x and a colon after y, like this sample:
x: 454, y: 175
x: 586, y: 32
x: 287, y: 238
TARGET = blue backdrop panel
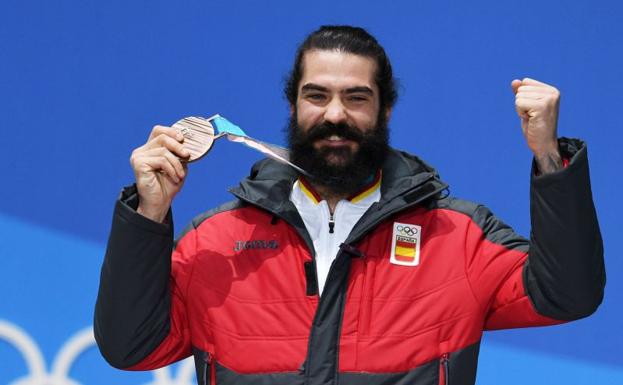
x: 82, y: 83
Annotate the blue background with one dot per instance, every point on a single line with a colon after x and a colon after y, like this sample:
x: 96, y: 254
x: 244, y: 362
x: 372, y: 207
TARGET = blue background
x: 83, y: 82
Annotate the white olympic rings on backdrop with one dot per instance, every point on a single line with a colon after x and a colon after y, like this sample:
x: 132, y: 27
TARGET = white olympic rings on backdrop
x: 79, y: 343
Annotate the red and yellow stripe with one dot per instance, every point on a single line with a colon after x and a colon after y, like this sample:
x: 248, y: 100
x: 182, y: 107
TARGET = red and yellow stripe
x: 316, y: 198
x: 309, y: 190
x: 404, y: 251
x: 375, y: 184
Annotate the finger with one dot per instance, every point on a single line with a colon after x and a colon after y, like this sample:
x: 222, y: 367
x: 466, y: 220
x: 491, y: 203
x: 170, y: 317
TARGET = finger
x: 522, y: 109
x: 533, y: 82
x: 177, y: 165
x: 515, y: 85
x: 531, y: 95
x: 540, y: 89
x: 528, y: 101
x: 527, y: 104
x: 161, y: 164
x: 173, y: 160
x: 523, y: 115
x: 170, y: 144
x: 171, y: 180
x: 164, y: 130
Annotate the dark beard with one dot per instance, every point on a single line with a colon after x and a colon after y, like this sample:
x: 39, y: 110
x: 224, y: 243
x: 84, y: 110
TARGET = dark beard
x: 350, y: 172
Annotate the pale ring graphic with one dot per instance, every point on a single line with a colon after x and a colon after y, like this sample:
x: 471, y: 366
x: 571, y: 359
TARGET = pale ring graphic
x: 79, y: 343
x: 407, y: 230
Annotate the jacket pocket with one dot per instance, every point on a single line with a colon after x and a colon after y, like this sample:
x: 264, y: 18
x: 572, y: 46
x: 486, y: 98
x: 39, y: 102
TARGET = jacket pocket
x: 367, y: 294
x: 444, y: 369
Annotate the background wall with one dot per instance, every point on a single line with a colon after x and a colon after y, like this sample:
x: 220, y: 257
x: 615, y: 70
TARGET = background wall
x: 83, y: 82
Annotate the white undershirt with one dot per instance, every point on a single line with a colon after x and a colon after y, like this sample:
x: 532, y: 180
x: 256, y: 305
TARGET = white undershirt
x: 316, y: 216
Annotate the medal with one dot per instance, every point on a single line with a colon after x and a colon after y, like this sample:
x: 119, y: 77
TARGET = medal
x: 198, y: 136
x: 201, y: 133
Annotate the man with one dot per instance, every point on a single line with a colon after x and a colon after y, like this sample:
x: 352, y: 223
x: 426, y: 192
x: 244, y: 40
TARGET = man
x: 364, y: 273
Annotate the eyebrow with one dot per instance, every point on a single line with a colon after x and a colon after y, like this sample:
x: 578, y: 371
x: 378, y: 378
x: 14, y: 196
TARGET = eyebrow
x: 314, y: 87
x: 360, y: 89
x: 351, y: 90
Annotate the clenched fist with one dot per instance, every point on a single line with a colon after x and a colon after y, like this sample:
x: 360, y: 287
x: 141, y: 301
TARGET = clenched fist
x: 159, y: 171
x: 537, y: 106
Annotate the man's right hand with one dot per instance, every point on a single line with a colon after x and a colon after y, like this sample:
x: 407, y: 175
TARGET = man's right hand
x: 159, y: 172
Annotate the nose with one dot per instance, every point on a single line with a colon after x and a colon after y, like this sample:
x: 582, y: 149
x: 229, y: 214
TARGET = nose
x: 335, y: 111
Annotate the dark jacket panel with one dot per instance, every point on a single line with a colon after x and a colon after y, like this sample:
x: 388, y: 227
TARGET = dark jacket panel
x: 565, y: 275
x: 133, y: 303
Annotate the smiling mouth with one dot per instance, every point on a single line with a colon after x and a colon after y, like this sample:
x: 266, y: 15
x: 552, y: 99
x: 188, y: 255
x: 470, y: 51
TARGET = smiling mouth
x: 335, y: 141
x: 335, y: 138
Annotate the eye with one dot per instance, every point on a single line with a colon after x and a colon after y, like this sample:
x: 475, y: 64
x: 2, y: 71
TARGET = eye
x: 316, y: 97
x: 357, y: 98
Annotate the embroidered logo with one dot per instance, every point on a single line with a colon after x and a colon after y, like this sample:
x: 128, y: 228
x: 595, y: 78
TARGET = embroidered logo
x: 405, y: 244
x: 256, y: 244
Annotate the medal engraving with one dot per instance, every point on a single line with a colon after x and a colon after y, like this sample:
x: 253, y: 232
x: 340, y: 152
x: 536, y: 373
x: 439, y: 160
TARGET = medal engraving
x: 198, y: 136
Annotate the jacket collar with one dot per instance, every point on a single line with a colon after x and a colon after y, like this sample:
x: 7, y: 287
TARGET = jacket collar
x: 407, y: 181
x: 270, y: 182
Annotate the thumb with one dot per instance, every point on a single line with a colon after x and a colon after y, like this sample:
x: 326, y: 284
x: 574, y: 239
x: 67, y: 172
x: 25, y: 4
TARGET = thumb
x: 515, y: 85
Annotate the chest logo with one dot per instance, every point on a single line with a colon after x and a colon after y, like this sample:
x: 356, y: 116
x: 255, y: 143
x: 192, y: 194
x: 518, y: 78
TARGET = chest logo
x: 406, y: 244
x: 256, y: 244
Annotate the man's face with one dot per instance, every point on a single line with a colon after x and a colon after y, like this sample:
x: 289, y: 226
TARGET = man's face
x: 338, y: 88
x: 337, y: 132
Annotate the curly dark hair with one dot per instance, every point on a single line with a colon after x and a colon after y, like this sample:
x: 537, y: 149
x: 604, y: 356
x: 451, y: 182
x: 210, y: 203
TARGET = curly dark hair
x: 349, y: 39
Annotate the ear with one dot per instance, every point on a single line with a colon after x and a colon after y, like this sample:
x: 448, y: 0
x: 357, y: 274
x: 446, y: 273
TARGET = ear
x: 388, y: 114
x: 291, y: 110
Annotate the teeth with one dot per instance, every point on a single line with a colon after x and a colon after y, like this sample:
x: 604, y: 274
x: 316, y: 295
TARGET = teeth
x: 335, y: 138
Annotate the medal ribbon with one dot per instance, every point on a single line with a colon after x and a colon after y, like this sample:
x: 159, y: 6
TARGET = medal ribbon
x: 235, y: 134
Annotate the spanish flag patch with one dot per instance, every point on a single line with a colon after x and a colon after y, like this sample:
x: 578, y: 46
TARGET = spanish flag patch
x: 406, y: 244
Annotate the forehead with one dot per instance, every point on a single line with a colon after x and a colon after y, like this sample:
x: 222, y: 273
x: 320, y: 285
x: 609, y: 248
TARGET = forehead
x: 337, y: 70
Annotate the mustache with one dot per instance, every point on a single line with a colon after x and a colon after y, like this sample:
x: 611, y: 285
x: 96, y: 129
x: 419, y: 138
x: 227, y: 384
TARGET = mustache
x: 326, y: 129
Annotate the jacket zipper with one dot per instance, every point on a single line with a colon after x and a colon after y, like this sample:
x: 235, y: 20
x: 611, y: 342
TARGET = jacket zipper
x: 358, y: 236
x: 444, y: 370
x: 362, y: 232
x: 207, y: 369
x: 331, y: 223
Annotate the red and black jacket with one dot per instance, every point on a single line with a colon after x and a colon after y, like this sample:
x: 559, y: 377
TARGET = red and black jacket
x: 238, y: 289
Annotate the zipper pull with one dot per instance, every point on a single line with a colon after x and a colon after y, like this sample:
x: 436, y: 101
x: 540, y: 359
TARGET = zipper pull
x: 331, y: 224
x: 207, y: 369
x: 445, y: 367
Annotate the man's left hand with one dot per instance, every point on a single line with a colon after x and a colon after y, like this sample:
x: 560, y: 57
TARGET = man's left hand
x: 537, y: 106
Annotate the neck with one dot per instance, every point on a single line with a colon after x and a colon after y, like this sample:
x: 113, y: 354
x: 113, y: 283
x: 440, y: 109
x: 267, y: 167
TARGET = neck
x: 330, y: 196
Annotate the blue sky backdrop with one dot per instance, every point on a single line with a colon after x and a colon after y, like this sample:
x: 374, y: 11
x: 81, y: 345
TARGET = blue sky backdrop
x: 83, y: 82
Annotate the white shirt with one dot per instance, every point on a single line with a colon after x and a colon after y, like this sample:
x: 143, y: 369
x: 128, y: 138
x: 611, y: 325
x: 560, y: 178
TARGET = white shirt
x: 329, y: 231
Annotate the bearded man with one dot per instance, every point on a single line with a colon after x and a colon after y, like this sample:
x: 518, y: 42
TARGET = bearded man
x: 363, y: 272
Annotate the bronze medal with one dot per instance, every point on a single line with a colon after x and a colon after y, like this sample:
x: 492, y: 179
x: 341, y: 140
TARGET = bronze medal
x: 200, y: 133
x: 198, y: 136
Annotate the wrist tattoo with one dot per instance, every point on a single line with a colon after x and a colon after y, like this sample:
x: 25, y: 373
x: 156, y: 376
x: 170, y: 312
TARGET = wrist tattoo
x: 549, y: 162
